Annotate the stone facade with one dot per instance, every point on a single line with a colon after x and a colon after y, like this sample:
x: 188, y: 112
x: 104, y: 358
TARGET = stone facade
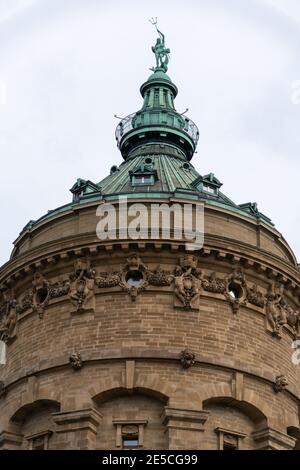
x: 93, y: 364
x: 123, y: 342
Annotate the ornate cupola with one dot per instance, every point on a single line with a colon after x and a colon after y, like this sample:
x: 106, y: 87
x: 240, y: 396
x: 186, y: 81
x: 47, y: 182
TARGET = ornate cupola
x: 158, y: 123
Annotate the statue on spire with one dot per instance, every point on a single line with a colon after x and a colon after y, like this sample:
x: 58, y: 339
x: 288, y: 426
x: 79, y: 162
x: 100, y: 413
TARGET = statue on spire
x: 160, y: 50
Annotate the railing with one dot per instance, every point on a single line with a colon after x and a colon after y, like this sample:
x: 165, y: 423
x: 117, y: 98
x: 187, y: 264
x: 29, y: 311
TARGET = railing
x: 125, y: 125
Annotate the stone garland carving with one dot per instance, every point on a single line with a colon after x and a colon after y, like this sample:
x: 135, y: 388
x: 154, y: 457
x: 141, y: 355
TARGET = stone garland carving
x: 159, y: 277
x: 187, y: 359
x: 281, y: 383
x: 238, y: 292
x: 26, y: 302
x: 108, y: 279
x: 187, y: 283
x: 9, y: 318
x: 134, y: 278
x: 213, y: 284
x: 59, y: 289
x: 75, y: 361
x: 255, y: 297
x: 82, y: 282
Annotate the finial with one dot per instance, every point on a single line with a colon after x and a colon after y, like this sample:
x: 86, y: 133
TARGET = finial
x: 160, y: 50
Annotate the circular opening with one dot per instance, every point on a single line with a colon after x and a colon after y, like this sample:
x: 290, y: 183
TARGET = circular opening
x: 113, y: 169
x: 148, y: 160
x: 186, y: 166
x: 235, y: 291
x: 135, y: 278
x: 41, y: 295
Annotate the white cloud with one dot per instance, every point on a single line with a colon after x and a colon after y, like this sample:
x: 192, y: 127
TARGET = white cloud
x: 70, y: 65
x: 291, y: 8
x: 11, y: 8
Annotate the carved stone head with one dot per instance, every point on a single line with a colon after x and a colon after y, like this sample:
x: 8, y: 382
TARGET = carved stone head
x: 75, y: 360
x: 187, y: 359
x: 281, y: 383
x: 134, y: 263
x: 82, y: 265
x: 188, y: 262
x: 38, y: 281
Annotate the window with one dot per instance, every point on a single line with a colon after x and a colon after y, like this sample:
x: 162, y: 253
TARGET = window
x: 143, y: 180
x: 39, y: 441
x: 229, y: 440
x: 131, y: 441
x: 235, y: 291
x: 130, y: 434
x: 135, y: 278
x: 209, y: 189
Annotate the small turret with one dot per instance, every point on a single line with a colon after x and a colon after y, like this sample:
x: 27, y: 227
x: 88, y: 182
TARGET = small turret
x: 158, y: 122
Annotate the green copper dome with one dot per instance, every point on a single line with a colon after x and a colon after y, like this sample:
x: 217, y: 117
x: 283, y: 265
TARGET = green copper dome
x: 156, y: 143
x: 159, y: 75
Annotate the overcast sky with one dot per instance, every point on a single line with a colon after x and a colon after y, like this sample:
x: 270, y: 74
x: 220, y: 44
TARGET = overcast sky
x: 67, y: 66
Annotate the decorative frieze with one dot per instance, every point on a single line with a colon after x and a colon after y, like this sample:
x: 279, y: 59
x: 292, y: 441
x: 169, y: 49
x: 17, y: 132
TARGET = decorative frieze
x: 159, y: 277
x: 255, y: 297
x: 214, y: 284
x: 108, y: 280
x: 188, y: 282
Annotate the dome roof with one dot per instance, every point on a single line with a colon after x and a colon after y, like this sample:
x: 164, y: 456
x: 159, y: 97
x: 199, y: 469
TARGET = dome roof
x: 159, y: 75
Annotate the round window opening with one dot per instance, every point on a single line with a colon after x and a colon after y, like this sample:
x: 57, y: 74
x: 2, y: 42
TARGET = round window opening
x: 148, y: 160
x: 41, y: 295
x: 235, y: 291
x: 135, y: 278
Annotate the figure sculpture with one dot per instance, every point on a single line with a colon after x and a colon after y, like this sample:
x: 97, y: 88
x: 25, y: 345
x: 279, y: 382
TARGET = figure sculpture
x: 160, y: 50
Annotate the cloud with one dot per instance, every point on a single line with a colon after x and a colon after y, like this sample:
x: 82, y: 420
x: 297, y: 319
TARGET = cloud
x: 290, y: 8
x: 68, y: 66
x: 11, y: 8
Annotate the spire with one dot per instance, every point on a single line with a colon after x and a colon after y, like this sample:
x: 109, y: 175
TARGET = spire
x: 158, y: 123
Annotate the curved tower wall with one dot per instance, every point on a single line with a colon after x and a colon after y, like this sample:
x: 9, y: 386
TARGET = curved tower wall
x: 145, y: 343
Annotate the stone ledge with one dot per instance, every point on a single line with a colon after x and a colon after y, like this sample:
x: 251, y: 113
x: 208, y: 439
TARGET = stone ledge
x: 8, y: 438
x: 189, y: 420
x: 68, y: 421
x: 270, y: 438
x: 230, y: 365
